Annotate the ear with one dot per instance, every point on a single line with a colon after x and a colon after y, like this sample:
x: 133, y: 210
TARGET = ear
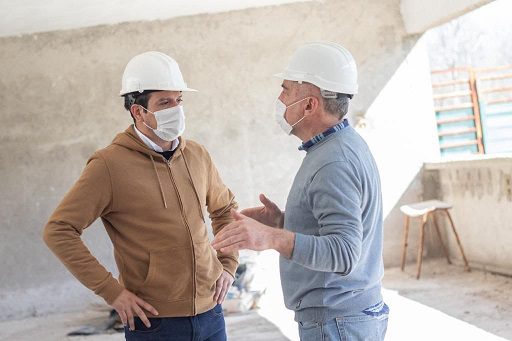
x: 311, y: 105
x: 136, y: 111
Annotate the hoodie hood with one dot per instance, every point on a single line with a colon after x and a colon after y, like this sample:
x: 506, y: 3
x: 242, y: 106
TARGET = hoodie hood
x: 129, y: 139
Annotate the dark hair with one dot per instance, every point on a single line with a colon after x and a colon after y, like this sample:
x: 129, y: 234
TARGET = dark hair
x: 140, y: 98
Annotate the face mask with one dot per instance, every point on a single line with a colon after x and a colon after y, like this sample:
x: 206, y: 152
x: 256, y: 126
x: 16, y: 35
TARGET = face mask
x: 170, y: 123
x: 279, y: 112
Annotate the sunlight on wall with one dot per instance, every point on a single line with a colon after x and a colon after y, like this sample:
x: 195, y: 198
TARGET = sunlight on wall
x: 400, y: 126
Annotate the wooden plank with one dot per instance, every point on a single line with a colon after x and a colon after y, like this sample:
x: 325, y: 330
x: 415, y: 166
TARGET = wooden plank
x: 456, y: 132
x: 492, y: 69
x: 495, y: 77
x: 453, y: 94
x: 459, y: 144
x: 496, y: 90
x: 453, y: 69
x: 501, y: 100
x: 476, y: 112
x: 456, y: 119
x: 454, y: 107
x: 446, y: 83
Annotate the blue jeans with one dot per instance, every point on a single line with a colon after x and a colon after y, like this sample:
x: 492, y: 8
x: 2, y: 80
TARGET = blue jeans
x: 208, y: 326
x: 360, y: 327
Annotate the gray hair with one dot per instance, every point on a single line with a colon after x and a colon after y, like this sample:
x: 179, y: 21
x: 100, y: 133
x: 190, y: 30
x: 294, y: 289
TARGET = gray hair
x: 334, y: 103
x: 337, y: 106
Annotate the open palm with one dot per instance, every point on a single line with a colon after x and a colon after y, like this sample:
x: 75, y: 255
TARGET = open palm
x: 268, y: 214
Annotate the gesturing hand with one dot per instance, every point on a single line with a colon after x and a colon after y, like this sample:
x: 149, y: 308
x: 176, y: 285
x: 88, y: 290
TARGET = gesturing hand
x: 222, y: 286
x: 128, y: 304
x: 243, y: 233
x: 268, y: 214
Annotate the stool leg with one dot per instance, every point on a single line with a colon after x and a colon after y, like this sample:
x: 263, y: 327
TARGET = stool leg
x: 440, y: 239
x: 458, y: 240
x: 406, y: 235
x: 420, y: 248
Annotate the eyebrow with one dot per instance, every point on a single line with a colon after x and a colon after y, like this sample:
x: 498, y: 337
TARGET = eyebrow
x: 284, y: 86
x: 168, y: 99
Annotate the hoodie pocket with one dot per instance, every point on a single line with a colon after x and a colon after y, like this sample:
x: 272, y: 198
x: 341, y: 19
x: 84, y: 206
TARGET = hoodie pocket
x: 208, y: 269
x: 169, y: 275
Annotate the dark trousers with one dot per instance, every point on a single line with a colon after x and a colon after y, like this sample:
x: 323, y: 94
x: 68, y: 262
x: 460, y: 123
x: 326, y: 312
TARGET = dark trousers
x: 208, y: 326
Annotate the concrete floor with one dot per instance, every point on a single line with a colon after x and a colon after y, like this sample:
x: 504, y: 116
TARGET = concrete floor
x: 247, y: 326
x: 480, y: 300
x: 445, y: 304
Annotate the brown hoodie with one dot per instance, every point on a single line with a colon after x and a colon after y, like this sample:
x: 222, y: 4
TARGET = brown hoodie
x: 153, y: 212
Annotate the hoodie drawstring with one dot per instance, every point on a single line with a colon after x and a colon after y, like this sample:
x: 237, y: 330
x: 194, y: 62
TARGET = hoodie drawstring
x: 159, y: 182
x: 193, y: 186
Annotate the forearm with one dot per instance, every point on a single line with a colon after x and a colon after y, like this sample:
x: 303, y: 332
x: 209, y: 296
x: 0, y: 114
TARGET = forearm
x: 229, y: 260
x: 66, y: 244
x: 329, y: 253
x: 282, y: 241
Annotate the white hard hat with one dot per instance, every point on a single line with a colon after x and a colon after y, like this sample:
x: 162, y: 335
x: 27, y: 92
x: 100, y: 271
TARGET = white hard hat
x: 327, y: 65
x: 152, y: 71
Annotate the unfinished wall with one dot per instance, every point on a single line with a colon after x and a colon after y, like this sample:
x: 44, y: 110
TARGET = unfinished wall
x: 481, y: 194
x: 59, y: 95
x: 479, y: 38
x: 400, y: 128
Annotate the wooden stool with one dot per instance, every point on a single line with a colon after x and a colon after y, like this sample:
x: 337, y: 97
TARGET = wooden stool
x: 424, y: 209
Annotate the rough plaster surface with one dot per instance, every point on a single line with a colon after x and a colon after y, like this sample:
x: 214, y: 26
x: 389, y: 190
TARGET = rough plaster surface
x: 59, y: 95
x: 481, y: 192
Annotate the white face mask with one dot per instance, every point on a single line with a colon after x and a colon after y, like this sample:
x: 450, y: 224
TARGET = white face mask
x: 170, y: 123
x: 279, y: 112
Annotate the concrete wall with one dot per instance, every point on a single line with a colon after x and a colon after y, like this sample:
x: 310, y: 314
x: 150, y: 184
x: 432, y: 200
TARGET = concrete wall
x: 59, y: 103
x: 400, y: 128
x: 481, y: 193
x: 480, y: 38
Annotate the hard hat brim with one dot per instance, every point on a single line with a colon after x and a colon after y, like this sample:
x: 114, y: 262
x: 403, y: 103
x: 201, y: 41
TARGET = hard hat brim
x: 345, y: 89
x: 124, y: 92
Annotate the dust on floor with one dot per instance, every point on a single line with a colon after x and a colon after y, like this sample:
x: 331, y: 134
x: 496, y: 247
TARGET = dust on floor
x: 482, y: 299
x: 446, y: 303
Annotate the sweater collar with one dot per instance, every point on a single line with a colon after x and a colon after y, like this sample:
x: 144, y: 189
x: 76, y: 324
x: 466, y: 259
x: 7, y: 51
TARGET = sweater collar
x: 320, y: 137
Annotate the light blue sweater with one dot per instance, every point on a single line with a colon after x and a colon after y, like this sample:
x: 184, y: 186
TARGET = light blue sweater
x: 335, y: 209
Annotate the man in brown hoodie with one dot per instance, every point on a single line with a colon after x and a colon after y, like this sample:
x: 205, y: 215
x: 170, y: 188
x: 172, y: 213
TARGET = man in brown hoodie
x: 149, y: 187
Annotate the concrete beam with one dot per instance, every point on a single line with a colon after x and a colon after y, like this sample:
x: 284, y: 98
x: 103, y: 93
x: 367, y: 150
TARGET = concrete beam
x: 420, y: 15
x: 34, y: 16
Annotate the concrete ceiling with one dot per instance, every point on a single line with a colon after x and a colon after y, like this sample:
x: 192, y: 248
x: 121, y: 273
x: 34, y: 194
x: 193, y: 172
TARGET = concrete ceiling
x: 420, y: 15
x: 33, y: 16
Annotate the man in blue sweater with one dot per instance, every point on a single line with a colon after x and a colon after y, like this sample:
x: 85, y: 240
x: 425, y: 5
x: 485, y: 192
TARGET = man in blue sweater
x: 330, y: 234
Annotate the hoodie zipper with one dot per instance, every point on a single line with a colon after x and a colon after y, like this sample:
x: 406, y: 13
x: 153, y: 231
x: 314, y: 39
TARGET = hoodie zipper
x: 189, y: 233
